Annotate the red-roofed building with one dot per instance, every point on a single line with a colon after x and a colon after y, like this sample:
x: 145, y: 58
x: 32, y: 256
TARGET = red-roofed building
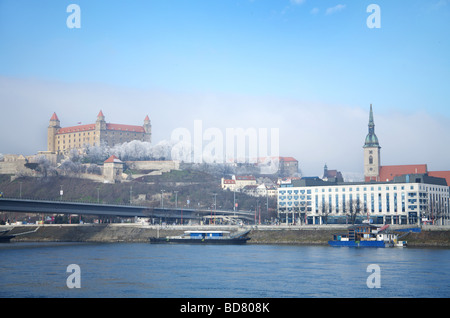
x: 62, y: 139
x: 374, y: 171
x: 287, y: 166
x: 238, y: 182
x: 113, y: 169
x: 441, y: 174
x: 113, y: 159
x: 387, y: 173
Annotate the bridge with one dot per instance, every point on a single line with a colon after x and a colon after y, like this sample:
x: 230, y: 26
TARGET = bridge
x: 67, y: 207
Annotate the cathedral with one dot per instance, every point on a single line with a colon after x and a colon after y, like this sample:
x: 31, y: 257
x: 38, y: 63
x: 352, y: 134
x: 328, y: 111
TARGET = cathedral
x: 400, y: 194
x: 60, y: 140
x: 374, y: 171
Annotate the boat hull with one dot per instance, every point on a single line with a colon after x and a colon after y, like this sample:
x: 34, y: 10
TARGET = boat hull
x: 155, y: 240
x: 359, y: 243
x: 6, y: 238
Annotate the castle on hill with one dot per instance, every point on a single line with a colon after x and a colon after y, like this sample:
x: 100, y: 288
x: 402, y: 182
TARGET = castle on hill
x: 60, y: 140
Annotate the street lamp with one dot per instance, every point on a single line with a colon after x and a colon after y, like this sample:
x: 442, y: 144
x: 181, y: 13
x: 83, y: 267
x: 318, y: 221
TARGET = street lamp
x: 162, y: 201
x: 176, y: 199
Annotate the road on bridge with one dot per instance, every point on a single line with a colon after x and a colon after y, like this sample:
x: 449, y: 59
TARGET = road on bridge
x: 65, y: 207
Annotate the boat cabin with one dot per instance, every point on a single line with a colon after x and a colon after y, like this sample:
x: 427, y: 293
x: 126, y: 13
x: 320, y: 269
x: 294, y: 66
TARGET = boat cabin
x: 207, y: 234
x: 360, y: 232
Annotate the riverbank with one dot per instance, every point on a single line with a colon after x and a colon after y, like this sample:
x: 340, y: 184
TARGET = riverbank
x: 307, y: 235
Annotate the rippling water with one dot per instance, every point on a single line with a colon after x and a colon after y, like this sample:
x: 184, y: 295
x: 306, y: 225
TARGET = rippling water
x: 250, y: 271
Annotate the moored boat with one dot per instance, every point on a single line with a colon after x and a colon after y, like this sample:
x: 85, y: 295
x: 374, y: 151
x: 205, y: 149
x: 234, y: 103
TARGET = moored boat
x: 204, y: 237
x: 366, y: 235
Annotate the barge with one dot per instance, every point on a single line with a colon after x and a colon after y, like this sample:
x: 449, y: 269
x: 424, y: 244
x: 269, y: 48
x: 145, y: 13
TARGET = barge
x: 366, y: 235
x: 204, y: 237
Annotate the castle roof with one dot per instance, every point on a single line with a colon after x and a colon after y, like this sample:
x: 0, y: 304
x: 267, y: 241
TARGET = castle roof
x: 54, y: 117
x: 91, y: 127
x: 79, y: 128
x: 125, y: 127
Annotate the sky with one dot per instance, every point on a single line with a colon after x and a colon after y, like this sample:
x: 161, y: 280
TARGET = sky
x: 309, y: 68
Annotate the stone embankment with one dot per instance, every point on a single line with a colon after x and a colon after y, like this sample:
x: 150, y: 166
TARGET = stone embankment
x: 306, y: 235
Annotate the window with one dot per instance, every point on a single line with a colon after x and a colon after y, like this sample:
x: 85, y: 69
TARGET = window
x: 343, y: 203
x: 387, y: 203
x: 379, y: 202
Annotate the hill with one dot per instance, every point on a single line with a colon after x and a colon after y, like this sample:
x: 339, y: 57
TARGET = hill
x: 181, y: 188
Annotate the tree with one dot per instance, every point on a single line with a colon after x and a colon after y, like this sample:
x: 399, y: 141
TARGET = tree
x: 324, y: 211
x: 355, y: 208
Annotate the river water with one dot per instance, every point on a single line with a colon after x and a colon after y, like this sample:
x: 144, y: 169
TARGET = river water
x: 248, y: 271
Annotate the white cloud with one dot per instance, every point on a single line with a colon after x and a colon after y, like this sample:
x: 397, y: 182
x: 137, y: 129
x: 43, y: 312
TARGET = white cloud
x: 335, y: 9
x: 314, y: 11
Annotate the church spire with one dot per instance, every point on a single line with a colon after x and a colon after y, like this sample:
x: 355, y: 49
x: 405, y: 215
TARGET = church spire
x: 371, y: 138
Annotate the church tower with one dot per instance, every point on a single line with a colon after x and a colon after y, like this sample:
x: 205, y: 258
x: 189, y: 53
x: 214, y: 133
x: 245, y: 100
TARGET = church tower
x: 52, y: 129
x: 371, y: 152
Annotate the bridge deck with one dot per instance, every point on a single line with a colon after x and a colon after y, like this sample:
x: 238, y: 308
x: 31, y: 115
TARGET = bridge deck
x: 65, y: 207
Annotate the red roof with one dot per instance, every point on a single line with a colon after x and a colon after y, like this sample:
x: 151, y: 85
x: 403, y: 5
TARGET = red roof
x: 54, y: 117
x: 146, y: 118
x: 79, y: 128
x: 288, y: 159
x: 100, y: 114
x: 387, y: 173
x: 245, y: 178
x: 89, y: 127
x: 285, y: 159
x: 441, y: 174
x: 125, y: 127
x: 113, y: 159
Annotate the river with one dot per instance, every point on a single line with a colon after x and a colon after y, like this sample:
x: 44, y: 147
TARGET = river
x: 248, y: 271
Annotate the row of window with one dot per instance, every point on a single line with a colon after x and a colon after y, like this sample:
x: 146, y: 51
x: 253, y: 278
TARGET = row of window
x: 386, y: 202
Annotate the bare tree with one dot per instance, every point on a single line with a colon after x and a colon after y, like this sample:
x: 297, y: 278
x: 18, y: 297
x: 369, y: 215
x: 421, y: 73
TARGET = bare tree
x: 324, y: 211
x: 355, y: 208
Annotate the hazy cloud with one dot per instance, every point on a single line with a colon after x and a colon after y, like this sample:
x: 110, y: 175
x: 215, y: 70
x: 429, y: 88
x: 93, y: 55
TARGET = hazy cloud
x: 314, y: 133
x: 335, y: 9
x: 314, y: 11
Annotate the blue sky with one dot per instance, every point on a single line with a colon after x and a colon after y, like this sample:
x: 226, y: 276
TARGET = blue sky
x: 213, y: 54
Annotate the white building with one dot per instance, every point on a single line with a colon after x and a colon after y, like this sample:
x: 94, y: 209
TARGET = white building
x: 409, y: 199
x: 237, y: 183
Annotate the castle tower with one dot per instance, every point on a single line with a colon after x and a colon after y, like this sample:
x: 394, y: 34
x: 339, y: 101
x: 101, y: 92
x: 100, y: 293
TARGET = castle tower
x: 148, y: 129
x: 100, y: 128
x: 52, y: 129
x: 371, y: 152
